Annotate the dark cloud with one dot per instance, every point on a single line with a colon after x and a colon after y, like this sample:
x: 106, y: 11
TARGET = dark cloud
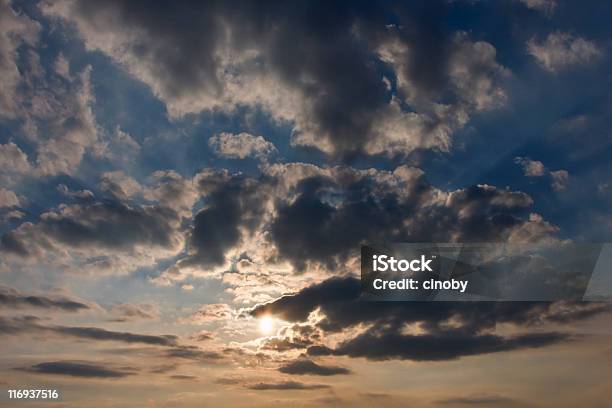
x: 113, y: 225
x: 10, y: 297
x: 11, y: 243
x: 164, y: 368
x: 193, y: 353
x: 478, y: 400
x: 232, y: 202
x: 471, y: 331
x: 183, y: 377
x: 109, y: 225
x: 297, y: 307
x: 18, y: 324
x: 95, y: 333
x: 286, y: 385
x: 338, y: 299
x: 343, y: 87
x: 381, y: 345
x: 353, y: 208
x: 228, y: 381
x: 375, y: 395
x: 303, y: 367
x: 79, y: 369
x: 31, y: 324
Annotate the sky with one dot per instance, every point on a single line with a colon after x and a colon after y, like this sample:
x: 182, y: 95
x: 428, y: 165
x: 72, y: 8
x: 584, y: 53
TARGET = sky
x: 185, y: 187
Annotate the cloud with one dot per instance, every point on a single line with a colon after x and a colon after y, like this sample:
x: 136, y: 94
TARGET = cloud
x: 286, y: 385
x: 374, y: 345
x: 106, y: 236
x: 52, y: 106
x: 12, y: 298
x: 13, y: 163
x: 164, y: 187
x: 8, y: 199
x: 202, y: 335
x: 212, y: 312
x: 14, y: 215
x: 335, y: 91
x: 78, y: 369
x: 294, y: 337
x: 30, y: 324
x: 249, y: 226
x: 172, y: 190
x: 16, y: 29
x: 233, y: 207
x: 383, y: 335
x: 405, y: 206
x: 560, y: 178
x: 478, y: 400
x: 119, y: 184
x: 534, y: 168
x: 118, y: 147
x: 85, y: 195
x: 297, y: 307
x: 193, y: 353
x: 562, y: 50
x: 240, y: 146
x: 62, y: 67
x: 183, y: 377
x: 95, y: 333
x: 127, y: 312
x: 545, y: 6
x: 308, y: 367
x: 57, y: 116
x: 531, y: 168
x: 70, y: 127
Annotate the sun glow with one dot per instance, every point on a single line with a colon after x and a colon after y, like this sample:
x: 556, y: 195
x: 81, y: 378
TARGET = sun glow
x: 266, y: 325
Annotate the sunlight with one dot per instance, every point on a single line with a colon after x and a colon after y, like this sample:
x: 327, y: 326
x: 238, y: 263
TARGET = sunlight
x: 266, y: 325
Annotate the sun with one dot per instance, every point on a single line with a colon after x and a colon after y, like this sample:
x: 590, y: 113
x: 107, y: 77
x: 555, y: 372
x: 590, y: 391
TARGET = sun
x: 266, y: 325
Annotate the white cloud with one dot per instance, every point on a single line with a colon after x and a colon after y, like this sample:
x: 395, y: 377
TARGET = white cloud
x: 15, y: 30
x: 118, y: 147
x: 128, y: 312
x: 14, y: 215
x: 73, y: 129
x: 531, y: 168
x: 210, y: 313
x: 80, y: 194
x: 57, y: 120
x: 53, y: 106
x: 241, y: 145
x: 119, y: 184
x: 62, y: 67
x: 562, y: 50
x: 170, y: 189
x: 560, y: 178
x: 8, y: 198
x: 535, y: 168
x: 545, y: 6
x: 476, y: 75
x: 13, y: 163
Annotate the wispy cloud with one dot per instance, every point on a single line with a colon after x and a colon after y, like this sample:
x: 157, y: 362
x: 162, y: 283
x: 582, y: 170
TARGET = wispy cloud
x: 12, y: 298
x: 79, y: 369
